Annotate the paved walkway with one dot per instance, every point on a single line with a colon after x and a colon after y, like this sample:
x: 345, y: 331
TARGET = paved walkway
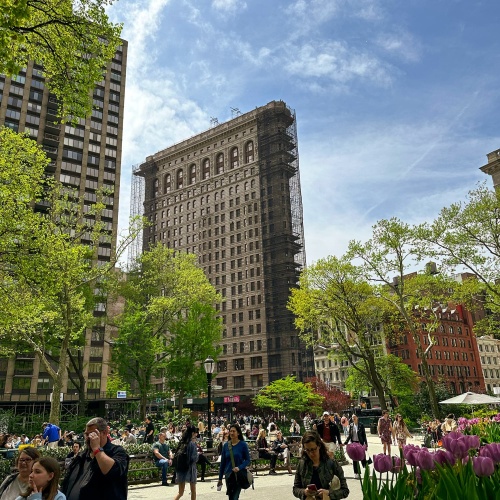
x: 266, y: 487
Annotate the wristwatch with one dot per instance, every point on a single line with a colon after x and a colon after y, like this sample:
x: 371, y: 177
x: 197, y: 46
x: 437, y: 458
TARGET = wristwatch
x: 98, y: 450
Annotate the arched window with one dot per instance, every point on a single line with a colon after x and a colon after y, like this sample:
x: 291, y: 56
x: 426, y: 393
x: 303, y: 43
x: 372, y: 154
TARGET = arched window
x: 206, y: 168
x: 249, y: 157
x: 246, y: 186
x: 234, y: 158
x: 155, y: 186
x: 219, y: 163
x: 179, y: 178
x: 252, y: 183
x: 222, y: 194
x: 237, y: 188
x: 230, y: 191
x: 192, y: 174
x: 167, y: 184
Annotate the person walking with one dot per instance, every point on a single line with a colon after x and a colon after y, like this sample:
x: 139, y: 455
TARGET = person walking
x: 236, y: 452
x: 329, y: 433
x: 384, y: 429
x: 316, y: 468
x: 400, y: 432
x: 357, y: 434
x: 189, y: 474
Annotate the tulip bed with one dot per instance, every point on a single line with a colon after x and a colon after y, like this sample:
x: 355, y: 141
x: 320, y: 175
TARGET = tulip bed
x: 465, y: 468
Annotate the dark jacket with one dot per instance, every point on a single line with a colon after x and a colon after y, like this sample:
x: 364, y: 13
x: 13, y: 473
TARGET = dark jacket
x: 93, y: 484
x: 361, y: 434
x: 334, y: 432
x: 326, y: 471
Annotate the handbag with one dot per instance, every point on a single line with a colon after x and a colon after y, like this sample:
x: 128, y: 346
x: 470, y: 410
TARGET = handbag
x: 244, y: 477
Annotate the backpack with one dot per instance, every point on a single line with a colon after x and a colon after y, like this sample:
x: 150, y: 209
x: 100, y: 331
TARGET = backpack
x: 181, y: 459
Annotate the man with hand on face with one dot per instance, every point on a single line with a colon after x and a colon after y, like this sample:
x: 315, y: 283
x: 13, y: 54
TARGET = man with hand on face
x: 101, y: 471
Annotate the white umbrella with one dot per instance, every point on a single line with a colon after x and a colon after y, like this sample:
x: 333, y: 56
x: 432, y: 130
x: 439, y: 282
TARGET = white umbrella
x: 471, y: 398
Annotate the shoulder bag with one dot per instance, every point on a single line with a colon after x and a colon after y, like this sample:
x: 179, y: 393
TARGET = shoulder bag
x: 244, y: 477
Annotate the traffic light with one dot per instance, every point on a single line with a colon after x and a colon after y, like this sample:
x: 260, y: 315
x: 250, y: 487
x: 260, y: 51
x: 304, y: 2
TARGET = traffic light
x: 212, y: 406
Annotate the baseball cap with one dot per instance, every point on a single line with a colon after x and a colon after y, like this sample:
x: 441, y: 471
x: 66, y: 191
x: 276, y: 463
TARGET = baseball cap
x: 326, y: 413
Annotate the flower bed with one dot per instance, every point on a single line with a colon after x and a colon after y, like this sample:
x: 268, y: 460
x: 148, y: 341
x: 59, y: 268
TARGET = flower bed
x: 467, y: 467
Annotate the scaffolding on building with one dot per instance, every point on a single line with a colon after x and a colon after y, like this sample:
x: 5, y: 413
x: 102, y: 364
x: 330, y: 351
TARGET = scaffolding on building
x: 296, y: 196
x: 137, y: 197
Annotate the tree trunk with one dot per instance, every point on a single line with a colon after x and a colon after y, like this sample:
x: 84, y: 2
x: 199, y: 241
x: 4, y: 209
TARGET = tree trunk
x: 181, y: 403
x: 377, y: 385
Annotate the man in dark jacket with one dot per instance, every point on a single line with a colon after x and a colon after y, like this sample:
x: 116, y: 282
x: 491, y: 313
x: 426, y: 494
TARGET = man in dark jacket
x: 100, y: 471
x: 329, y: 433
x: 357, y: 434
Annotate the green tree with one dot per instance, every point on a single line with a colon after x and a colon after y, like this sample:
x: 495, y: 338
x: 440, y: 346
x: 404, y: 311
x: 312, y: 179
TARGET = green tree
x: 388, y: 257
x: 48, y: 279
x: 289, y: 397
x: 336, y: 306
x: 72, y: 40
x: 397, y: 378
x: 466, y: 237
x: 167, y: 296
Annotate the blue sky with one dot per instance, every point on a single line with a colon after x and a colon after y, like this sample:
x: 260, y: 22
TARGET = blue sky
x: 397, y: 101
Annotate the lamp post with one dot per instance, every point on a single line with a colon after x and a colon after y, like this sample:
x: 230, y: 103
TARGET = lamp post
x: 209, y: 365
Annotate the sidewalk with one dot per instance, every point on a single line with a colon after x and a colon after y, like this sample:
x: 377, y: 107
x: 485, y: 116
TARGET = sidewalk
x: 266, y: 487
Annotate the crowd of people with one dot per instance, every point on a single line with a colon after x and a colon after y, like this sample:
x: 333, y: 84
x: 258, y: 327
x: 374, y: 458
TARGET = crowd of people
x: 97, y: 465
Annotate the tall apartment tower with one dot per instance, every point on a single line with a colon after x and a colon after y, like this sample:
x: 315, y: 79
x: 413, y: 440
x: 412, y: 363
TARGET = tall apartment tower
x: 231, y: 195
x: 85, y: 157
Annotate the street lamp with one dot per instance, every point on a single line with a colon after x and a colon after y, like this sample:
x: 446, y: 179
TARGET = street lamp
x: 209, y: 365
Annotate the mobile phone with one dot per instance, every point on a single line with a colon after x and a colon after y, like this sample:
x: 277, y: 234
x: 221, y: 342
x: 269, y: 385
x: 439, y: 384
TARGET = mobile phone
x: 312, y: 487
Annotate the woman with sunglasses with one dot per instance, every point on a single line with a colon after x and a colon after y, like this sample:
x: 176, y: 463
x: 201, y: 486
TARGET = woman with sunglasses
x: 400, y: 432
x: 17, y: 483
x: 316, y: 471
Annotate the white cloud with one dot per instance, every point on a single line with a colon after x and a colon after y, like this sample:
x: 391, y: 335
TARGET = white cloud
x: 229, y: 5
x: 336, y: 62
x: 401, y: 44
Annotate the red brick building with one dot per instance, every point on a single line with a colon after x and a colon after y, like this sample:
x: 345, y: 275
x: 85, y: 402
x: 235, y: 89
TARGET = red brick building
x: 454, y: 358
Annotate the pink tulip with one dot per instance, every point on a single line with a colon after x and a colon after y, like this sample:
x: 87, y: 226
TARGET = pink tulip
x: 382, y: 463
x: 483, y: 466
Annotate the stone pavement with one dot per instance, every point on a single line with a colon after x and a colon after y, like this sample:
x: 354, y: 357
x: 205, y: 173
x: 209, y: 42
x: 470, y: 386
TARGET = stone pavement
x: 266, y: 487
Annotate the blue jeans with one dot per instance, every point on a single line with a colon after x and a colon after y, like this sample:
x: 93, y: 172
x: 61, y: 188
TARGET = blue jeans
x: 163, y: 464
x: 233, y: 490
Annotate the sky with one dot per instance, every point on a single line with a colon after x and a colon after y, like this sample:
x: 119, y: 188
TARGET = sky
x: 397, y: 102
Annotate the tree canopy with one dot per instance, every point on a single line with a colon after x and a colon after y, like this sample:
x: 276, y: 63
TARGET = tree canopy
x: 72, y: 40
x: 169, y: 324
x: 288, y: 396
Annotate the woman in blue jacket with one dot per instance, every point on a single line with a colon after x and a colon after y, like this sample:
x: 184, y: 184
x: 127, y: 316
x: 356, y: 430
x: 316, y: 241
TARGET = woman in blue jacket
x: 241, y: 456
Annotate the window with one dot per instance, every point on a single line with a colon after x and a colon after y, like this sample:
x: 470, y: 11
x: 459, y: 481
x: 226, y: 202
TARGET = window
x: 239, y: 382
x: 179, y: 178
x: 219, y: 163
x: 239, y: 364
x: 192, y: 174
x: 221, y: 366
x: 257, y: 380
x: 167, y: 184
x: 256, y: 362
x: 21, y: 384
x: 249, y: 152
x: 222, y: 381
x: 234, y: 158
x: 206, y: 169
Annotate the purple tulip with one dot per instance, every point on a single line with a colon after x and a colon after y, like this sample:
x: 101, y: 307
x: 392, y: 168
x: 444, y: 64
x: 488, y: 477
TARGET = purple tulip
x: 396, y: 465
x: 425, y: 460
x: 473, y: 442
x: 409, y: 452
x: 483, y: 466
x: 443, y: 457
x: 382, y: 463
x: 492, y: 451
x: 356, y: 452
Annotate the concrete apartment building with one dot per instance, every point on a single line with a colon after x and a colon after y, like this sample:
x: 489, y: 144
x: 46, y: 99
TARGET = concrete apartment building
x: 86, y: 157
x: 489, y: 350
x: 231, y: 195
